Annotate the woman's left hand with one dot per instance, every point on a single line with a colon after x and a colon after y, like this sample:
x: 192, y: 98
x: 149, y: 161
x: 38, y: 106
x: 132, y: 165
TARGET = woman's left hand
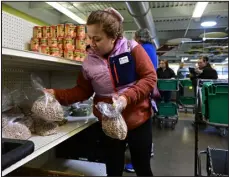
x: 120, y: 103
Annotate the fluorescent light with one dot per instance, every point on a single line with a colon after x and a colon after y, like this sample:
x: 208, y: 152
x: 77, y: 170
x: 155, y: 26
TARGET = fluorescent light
x: 208, y: 24
x: 185, y: 58
x: 194, y: 60
x: 199, y: 9
x: 226, y: 59
x: 67, y: 12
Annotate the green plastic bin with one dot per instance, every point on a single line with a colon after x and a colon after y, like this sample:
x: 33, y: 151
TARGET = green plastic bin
x: 187, y: 100
x: 167, y: 84
x: 186, y: 82
x: 167, y: 109
x: 215, y: 100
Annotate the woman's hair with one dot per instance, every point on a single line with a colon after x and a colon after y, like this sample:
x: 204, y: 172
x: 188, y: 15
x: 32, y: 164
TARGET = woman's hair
x: 110, y: 23
x: 166, y: 63
x: 144, y: 36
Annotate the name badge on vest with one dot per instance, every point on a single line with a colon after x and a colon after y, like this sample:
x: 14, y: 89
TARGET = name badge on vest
x: 123, y: 60
x: 123, y: 69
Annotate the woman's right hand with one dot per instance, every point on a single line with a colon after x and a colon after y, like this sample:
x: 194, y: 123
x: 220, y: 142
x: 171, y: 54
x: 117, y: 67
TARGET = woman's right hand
x: 51, y: 91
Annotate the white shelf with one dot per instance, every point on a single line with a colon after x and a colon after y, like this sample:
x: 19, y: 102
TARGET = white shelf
x: 45, y: 143
x: 34, y: 60
x: 76, y: 167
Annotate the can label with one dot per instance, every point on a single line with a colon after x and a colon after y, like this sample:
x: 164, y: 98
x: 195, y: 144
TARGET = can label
x: 53, y: 31
x: 82, y: 56
x: 34, y: 44
x: 76, y: 55
x: 61, y: 53
x: 52, y: 42
x: 60, y: 30
x: 37, y: 32
x: 80, y: 44
x: 68, y: 43
x: 46, y: 31
x: 44, y: 41
x: 81, y: 31
x: 69, y: 30
x: 60, y: 42
x: 54, y: 51
x: 68, y: 53
x: 44, y: 50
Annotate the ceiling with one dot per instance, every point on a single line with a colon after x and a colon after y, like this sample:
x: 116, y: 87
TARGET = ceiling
x: 171, y: 18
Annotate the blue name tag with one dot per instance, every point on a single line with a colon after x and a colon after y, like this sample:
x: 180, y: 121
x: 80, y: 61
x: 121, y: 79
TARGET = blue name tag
x: 123, y: 69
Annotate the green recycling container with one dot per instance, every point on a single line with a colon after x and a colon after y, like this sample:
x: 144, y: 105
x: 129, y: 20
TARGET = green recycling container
x: 167, y: 109
x: 168, y: 84
x: 215, y: 100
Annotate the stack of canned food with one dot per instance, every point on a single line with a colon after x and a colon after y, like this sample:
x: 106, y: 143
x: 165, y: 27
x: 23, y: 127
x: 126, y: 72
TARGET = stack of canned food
x: 62, y: 40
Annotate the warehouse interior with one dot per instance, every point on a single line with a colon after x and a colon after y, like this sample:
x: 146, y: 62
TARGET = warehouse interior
x: 179, y: 36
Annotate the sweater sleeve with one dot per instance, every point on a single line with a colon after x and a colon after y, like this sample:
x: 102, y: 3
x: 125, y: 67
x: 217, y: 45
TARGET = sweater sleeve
x: 147, y: 77
x: 82, y: 91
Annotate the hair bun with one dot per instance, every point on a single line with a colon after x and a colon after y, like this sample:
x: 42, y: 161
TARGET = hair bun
x: 115, y: 13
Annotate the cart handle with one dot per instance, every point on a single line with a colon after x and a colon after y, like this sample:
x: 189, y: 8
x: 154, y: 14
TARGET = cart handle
x: 199, y: 162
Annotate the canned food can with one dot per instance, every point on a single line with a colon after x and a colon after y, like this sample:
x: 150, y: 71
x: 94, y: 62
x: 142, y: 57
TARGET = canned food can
x: 46, y: 31
x: 60, y: 42
x: 53, y: 31
x: 44, y: 50
x: 80, y: 44
x: 81, y: 31
x: 60, y: 30
x: 61, y: 53
x: 44, y: 41
x: 54, y: 51
x: 34, y: 44
x: 68, y: 43
x: 37, y: 32
x: 82, y: 56
x: 52, y: 42
x: 69, y: 30
x: 68, y: 54
x: 76, y: 55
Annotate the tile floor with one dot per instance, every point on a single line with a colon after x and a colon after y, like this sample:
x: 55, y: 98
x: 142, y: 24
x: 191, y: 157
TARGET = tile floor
x: 174, y: 149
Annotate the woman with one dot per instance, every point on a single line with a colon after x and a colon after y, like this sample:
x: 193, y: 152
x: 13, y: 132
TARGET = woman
x: 165, y: 72
x: 144, y: 38
x: 109, y: 47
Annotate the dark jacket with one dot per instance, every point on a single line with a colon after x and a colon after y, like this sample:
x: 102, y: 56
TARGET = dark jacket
x: 168, y: 73
x: 208, y: 73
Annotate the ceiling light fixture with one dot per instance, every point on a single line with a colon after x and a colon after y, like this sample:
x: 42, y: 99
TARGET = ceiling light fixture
x: 199, y: 9
x: 67, y: 12
x: 208, y: 24
x: 194, y: 60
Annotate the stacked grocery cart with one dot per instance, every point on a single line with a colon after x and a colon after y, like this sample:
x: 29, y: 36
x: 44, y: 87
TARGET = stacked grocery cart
x: 167, y: 111
x: 186, y: 96
x: 212, y: 108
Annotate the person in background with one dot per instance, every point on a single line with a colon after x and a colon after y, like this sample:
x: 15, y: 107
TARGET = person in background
x: 203, y: 71
x: 144, y: 38
x: 165, y: 72
x: 131, y: 93
x: 182, y: 72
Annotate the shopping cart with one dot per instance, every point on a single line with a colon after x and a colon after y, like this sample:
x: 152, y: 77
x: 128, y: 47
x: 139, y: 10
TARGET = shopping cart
x: 186, y: 98
x: 214, y: 104
x: 167, y: 111
x: 216, y: 162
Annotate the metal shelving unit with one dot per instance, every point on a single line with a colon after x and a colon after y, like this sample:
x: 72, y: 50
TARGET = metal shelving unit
x: 28, y: 59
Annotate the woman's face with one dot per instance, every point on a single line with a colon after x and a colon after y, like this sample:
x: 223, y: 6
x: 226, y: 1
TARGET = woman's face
x: 162, y: 64
x: 99, y: 41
